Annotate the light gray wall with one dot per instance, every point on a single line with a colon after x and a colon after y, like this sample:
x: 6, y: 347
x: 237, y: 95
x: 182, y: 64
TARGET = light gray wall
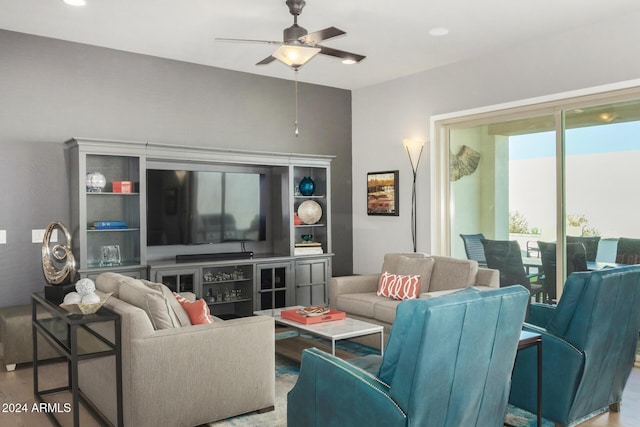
x: 51, y: 90
x: 384, y: 114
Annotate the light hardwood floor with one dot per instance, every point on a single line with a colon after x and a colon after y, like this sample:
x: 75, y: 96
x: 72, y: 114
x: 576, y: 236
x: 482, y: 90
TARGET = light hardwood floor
x: 16, y: 391
x: 16, y: 387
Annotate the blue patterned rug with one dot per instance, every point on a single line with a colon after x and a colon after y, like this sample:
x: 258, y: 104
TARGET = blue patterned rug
x: 287, y: 374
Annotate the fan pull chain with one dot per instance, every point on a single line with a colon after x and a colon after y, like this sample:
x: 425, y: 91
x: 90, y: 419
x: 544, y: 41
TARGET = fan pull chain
x: 296, y: 131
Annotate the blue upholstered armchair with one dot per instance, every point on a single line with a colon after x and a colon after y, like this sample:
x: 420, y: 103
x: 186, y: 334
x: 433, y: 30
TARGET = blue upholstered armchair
x: 588, y: 346
x: 448, y: 363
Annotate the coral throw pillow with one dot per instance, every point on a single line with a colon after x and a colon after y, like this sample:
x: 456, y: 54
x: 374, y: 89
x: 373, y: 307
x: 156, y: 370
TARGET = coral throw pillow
x: 198, y: 311
x: 399, y: 287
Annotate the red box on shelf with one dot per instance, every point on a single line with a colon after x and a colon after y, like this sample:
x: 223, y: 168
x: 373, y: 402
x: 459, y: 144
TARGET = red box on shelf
x: 121, y: 186
x: 301, y: 318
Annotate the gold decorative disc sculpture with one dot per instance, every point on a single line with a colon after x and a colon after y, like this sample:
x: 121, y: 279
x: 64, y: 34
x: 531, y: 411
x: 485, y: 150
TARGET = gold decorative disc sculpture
x: 58, y: 262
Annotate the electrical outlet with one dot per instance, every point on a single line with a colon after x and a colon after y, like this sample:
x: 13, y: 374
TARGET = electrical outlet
x: 3, y: 237
x: 38, y: 235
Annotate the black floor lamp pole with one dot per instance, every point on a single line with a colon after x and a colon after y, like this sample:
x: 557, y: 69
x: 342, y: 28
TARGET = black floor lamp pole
x: 413, y: 213
x: 414, y: 150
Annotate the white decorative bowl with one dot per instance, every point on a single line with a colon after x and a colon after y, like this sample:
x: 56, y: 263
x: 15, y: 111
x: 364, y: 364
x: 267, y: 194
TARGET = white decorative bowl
x: 86, y: 308
x: 310, y: 212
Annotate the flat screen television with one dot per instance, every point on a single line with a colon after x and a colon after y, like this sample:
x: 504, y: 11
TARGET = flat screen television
x: 190, y: 207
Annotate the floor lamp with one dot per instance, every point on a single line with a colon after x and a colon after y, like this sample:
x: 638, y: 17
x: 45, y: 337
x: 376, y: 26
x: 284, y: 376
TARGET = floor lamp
x: 414, y: 150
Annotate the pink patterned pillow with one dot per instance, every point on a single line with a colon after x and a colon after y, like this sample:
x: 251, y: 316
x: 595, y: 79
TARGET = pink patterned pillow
x: 399, y: 287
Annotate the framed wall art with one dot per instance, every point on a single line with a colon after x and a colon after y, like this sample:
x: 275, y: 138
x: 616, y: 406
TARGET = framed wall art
x: 382, y: 193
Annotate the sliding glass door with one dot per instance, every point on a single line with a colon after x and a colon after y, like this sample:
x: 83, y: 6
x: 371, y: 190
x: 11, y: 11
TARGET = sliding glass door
x: 563, y: 174
x: 602, y: 172
x: 511, y: 192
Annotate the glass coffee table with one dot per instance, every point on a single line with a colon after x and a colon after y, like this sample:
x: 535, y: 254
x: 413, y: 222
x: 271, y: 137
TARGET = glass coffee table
x: 333, y: 331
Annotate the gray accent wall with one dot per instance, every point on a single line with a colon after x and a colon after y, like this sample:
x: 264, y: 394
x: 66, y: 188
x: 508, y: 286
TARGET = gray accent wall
x: 52, y: 90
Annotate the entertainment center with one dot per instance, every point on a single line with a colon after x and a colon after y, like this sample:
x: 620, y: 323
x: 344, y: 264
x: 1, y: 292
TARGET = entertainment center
x: 217, y: 222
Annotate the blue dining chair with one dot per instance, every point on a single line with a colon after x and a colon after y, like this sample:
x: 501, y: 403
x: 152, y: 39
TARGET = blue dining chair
x: 607, y: 249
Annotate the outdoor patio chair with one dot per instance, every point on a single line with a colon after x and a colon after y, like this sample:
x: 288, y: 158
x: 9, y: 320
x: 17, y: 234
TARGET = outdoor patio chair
x: 607, y: 249
x: 590, y: 245
x: 474, y: 249
x: 576, y: 261
x: 506, y: 257
x: 628, y: 251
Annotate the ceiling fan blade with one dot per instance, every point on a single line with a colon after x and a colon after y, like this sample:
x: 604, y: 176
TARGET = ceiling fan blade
x: 247, y: 41
x: 341, y: 54
x: 268, y: 60
x: 318, y: 36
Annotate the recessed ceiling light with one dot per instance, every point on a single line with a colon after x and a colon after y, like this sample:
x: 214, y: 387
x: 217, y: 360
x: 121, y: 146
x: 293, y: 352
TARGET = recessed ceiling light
x: 75, y: 2
x: 438, y: 31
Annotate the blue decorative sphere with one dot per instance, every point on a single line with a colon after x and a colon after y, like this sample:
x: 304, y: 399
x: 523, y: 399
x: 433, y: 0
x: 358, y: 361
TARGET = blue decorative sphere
x: 307, y: 186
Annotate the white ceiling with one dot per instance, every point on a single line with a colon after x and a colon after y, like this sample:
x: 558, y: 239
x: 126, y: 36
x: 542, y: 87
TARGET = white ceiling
x: 392, y: 34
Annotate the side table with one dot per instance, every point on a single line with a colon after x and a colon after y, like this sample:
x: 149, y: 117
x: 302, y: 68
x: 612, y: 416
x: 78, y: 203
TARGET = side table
x: 530, y: 339
x: 74, y: 339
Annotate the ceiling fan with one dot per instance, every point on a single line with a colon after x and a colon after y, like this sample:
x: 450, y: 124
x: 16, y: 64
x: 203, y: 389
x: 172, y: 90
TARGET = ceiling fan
x: 299, y: 46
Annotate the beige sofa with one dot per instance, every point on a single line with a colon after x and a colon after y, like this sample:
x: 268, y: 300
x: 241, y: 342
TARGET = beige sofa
x: 356, y: 295
x: 176, y: 375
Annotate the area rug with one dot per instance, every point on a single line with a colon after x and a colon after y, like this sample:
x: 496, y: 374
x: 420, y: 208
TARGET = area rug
x: 287, y: 374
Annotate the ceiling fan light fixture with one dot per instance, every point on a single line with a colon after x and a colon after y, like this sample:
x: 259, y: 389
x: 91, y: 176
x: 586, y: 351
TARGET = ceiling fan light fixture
x: 295, y: 56
x: 349, y: 61
x: 75, y: 2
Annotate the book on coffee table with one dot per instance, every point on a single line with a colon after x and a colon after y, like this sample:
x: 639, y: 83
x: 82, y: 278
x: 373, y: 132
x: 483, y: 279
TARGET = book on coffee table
x: 296, y: 316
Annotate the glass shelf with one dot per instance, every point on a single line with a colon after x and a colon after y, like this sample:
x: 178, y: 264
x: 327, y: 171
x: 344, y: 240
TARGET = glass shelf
x: 231, y: 301
x: 218, y: 282
x: 111, y: 230
x: 130, y: 263
x: 87, y: 342
x: 110, y: 193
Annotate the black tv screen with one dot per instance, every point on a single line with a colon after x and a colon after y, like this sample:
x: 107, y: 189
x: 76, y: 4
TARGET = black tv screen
x: 187, y: 207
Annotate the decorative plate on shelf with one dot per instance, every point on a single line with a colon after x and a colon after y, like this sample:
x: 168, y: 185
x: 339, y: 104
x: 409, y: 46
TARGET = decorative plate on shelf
x: 310, y: 212
x: 314, y: 310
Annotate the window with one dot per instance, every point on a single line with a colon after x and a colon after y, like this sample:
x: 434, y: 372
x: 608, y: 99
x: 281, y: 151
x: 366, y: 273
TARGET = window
x: 546, y: 172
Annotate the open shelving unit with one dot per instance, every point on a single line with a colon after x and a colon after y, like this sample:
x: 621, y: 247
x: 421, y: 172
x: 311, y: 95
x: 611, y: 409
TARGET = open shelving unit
x: 320, y: 231
x: 98, y: 248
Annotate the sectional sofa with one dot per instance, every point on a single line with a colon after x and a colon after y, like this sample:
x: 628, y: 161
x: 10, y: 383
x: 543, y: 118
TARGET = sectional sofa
x: 439, y: 275
x: 175, y: 373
